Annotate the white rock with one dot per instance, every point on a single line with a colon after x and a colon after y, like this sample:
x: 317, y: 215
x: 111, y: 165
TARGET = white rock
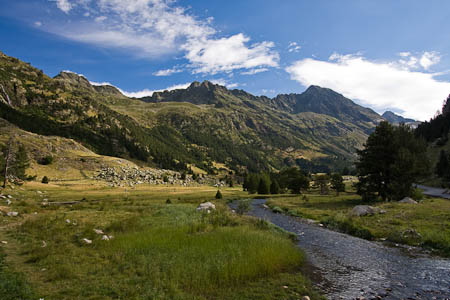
x: 408, y: 200
x: 306, y: 298
x: 44, y: 244
x: 363, y: 210
x: 3, y: 197
x: 98, y: 231
x: 68, y: 221
x: 12, y: 214
x: 105, y: 238
x: 4, y: 242
x: 8, y: 202
x: 87, y: 241
x: 10, y: 197
x: 206, y: 206
x: 39, y: 192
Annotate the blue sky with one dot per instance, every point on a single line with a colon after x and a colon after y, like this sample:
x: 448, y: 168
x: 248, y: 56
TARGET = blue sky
x: 383, y: 54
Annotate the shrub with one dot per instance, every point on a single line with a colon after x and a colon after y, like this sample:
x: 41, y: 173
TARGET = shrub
x: 165, y: 178
x: 417, y: 194
x: 219, y: 195
x: 168, y: 201
x: 277, y: 210
x: 47, y: 160
x: 45, y: 180
x: 243, y: 207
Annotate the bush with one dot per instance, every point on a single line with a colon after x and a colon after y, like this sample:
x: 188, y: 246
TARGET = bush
x: 165, y: 178
x: 47, y: 160
x: 168, y: 201
x: 417, y: 194
x: 277, y: 210
x: 243, y: 207
x: 346, y: 225
x: 45, y: 180
x: 219, y: 195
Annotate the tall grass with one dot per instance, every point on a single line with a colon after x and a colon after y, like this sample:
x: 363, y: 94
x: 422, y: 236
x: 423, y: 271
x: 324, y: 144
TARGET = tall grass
x: 201, y: 262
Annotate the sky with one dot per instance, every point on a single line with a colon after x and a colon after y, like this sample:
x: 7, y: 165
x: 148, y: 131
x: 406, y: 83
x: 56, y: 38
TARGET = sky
x: 384, y: 54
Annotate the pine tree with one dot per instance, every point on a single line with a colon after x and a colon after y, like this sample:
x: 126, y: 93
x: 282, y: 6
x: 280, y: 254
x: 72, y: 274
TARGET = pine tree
x: 264, y: 185
x: 8, y: 160
x: 219, y: 195
x: 393, y: 158
x: 21, y: 163
x: 337, y: 183
x: 298, y: 183
x: 443, y: 165
x: 274, y: 187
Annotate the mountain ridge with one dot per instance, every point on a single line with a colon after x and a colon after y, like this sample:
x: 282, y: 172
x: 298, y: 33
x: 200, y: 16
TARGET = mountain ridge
x: 203, y: 125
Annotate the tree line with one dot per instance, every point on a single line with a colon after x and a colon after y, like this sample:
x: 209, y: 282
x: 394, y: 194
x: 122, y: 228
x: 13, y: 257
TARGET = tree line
x: 292, y: 180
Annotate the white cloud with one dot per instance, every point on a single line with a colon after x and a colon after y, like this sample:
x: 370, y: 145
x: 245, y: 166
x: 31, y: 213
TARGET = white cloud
x: 379, y: 85
x: 147, y: 92
x: 38, y: 23
x: 100, y: 19
x: 228, y: 54
x: 428, y: 59
x: 424, y: 61
x: 102, y: 83
x: 294, y: 47
x: 64, y: 5
x: 255, y: 71
x: 168, y: 72
x: 225, y: 83
x: 151, y: 28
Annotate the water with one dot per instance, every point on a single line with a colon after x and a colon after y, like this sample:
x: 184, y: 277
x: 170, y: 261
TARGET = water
x: 346, y: 267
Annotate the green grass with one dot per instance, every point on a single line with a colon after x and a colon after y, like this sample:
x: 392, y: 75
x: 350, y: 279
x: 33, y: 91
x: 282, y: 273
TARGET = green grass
x: 430, y: 218
x: 12, y: 285
x: 159, y: 250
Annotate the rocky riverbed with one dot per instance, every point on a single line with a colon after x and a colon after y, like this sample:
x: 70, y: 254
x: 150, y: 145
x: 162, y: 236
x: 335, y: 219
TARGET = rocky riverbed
x: 346, y: 267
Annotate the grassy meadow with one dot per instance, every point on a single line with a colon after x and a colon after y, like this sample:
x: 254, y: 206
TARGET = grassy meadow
x: 426, y: 224
x: 160, y: 249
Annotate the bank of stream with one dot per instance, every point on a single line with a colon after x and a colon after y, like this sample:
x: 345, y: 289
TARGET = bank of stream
x: 346, y: 267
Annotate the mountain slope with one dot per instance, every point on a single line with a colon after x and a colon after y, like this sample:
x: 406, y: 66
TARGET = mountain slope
x: 202, y: 125
x: 394, y: 118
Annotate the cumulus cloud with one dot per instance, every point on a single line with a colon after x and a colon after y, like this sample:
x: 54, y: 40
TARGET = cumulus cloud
x: 294, y: 47
x: 168, y: 72
x: 38, y: 23
x: 254, y: 71
x: 147, y: 92
x: 228, y: 54
x: 64, y: 5
x: 379, y: 85
x: 151, y: 28
x: 424, y: 61
x: 428, y: 59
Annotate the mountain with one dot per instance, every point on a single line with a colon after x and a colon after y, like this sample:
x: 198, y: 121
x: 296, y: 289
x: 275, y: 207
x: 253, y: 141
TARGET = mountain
x: 395, y: 119
x: 205, y: 125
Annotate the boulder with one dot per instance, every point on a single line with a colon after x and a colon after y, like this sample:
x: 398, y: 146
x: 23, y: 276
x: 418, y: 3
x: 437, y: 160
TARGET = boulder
x: 364, y: 210
x: 408, y: 200
x: 98, y: 231
x: 207, y: 206
x: 13, y: 214
x: 87, y: 241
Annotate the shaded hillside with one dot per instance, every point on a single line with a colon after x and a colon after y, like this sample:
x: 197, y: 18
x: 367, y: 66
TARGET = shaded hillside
x: 202, y: 125
x: 395, y: 119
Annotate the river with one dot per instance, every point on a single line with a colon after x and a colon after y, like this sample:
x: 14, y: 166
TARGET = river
x: 346, y: 267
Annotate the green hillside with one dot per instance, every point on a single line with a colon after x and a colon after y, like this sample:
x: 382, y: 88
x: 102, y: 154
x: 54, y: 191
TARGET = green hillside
x: 202, y: 125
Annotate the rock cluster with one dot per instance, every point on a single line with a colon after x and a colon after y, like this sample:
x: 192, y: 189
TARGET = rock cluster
x: 207, y: 206
x: 363, y: 210
x: 131, y: 176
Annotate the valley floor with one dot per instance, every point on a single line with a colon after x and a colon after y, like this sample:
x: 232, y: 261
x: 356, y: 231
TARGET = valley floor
x: 148, y: 242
